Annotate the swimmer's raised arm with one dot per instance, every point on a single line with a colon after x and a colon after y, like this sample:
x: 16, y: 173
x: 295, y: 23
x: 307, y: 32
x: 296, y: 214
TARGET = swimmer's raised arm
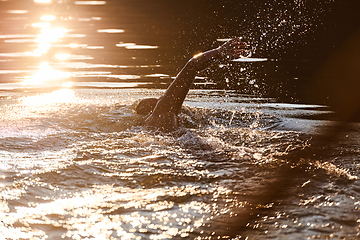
x: 169, y: 105
x: 179, y: 88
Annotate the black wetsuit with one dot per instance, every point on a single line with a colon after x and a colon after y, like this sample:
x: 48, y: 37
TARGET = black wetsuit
x: 164, y: 115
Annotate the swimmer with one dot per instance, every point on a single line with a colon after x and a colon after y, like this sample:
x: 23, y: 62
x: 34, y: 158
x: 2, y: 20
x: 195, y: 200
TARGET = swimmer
x: 162, y: 113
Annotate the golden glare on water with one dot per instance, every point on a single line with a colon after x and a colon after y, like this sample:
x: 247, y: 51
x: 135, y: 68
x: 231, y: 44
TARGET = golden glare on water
x: 89, y: 213
x: 62, y: 56
x: 46, y: 38
x: 18, y: 11
x: 47, y: 18
x: 135, y: 46
x: 110, y: 30
x: 41, y: 25
x: 75, y: 45
x: 42, y: 1
x: 59, y: 96
x: 45, y: 75
x: 50, y: 35
x: 42, y: 48
x: 90, y: 2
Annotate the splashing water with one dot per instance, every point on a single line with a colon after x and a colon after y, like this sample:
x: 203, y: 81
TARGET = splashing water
x: 75, y: 162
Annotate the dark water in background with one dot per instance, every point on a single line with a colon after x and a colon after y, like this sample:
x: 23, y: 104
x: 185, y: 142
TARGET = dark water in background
x: 74, y: 163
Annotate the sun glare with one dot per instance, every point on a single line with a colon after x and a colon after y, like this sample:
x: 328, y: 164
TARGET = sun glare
x: 47, y: 18
x: 46, y: 75
x: 46, y: 38
x: 41, y: 25
x: 50, y: 35
x: 75, y: 45
x: 62, y: 56
x: 17, y: 11
x: 58, y: 96
x: 90, y: 2
x: 42, y: 1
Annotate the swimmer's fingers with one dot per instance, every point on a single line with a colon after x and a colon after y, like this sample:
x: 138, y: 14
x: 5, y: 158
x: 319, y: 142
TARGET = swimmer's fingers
x: 238, y: 53
x: 235, y: 43
x: 233, y: 48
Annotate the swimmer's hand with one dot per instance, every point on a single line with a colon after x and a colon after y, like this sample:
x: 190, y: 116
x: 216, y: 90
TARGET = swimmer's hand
x: 233, y: 48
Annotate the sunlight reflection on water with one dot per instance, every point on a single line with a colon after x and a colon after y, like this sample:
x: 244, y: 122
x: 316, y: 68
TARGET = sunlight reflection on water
x: 75, y: 163
x: 135, y: 46
x: 46, y: 38
x: 59, y: 96
x: 94, y: 213
x: 42, y: 1
x: 110, y: 30
x: 105, y: 182
x: 45, y: 75
x: 90, y: 2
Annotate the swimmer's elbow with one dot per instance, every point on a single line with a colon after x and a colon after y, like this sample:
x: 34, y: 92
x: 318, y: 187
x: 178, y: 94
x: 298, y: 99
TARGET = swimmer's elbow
x: 192, y: 63
x: 203, y: 60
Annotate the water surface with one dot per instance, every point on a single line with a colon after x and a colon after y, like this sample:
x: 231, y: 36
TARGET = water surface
x: 75, y: 162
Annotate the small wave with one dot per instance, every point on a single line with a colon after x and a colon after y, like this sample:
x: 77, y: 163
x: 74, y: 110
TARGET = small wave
x: 204, y: 117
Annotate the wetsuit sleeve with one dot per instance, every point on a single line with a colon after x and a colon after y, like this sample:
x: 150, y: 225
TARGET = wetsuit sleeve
x: 174, y: 96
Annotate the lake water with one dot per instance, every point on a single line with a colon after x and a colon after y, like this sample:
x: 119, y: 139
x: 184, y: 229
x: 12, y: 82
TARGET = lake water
x: 76, y: 164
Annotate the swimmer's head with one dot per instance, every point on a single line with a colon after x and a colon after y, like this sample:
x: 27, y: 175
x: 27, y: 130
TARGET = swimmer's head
x: 146, y: 105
